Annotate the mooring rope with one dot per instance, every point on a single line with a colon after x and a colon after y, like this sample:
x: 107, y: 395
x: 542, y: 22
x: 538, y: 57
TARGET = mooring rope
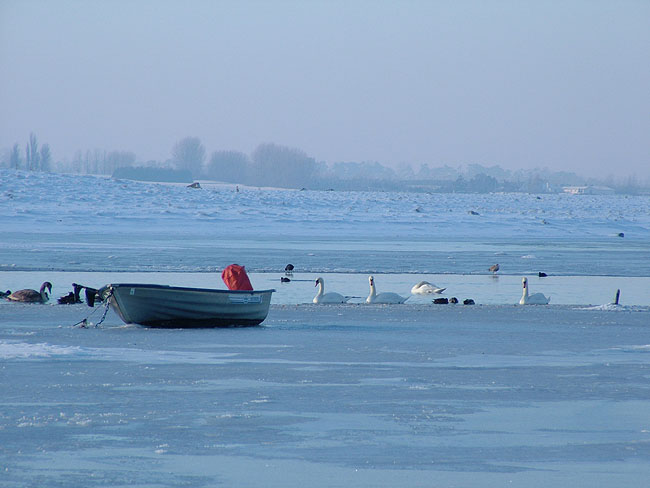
x: 84, y: 322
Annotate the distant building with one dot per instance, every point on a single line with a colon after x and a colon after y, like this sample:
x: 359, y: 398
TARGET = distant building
x: 589, y: 190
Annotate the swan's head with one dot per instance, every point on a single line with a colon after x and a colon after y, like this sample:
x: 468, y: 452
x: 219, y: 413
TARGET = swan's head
x: 371, y: 280
x: 524, y: 282
x: 319, y: 281
x: 47, y: 285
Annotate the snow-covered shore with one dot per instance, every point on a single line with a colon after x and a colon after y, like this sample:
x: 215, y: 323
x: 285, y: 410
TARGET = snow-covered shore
x: 88, y: 223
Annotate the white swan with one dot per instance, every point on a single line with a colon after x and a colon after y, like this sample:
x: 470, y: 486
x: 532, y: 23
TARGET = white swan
x: 535, y: 298
x: 426, y: 288
x: 386, y: 297
x: 331, y: 297
x: 32, y: 296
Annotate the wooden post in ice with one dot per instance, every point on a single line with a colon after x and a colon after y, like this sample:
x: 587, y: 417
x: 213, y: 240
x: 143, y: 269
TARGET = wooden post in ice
x: 617, y: 296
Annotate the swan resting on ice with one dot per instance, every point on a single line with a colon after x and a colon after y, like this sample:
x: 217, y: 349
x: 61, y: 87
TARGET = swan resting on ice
x: 331, y: 297
x: 386, y: 297
x: 535, y: 298
x: 426, y: 288
x: 32, y: 296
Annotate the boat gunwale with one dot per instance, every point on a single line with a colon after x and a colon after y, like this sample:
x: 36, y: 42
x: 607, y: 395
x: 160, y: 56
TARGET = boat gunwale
x: 184, y: 288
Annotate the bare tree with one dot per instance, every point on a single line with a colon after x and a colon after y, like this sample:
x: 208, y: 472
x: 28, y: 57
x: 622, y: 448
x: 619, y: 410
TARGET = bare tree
x: 230, y: 166
x: 189, y: 153
x: 32, y: 154
x: 14, y: 157
x: 283, y: 166
x: 118, y: 159
x: 46, y: 157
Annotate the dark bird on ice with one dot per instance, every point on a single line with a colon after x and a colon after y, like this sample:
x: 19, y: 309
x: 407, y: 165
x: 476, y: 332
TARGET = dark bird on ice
x: 494, y: 268
x: 72, y: 297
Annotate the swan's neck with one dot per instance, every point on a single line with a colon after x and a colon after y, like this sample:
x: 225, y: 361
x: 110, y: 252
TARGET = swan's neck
x: 373, y: 291
x: 321, y: 290
x: 524, y: 296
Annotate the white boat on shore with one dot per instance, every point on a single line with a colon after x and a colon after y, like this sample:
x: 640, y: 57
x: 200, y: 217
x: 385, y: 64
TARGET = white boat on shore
x: 181, y: 307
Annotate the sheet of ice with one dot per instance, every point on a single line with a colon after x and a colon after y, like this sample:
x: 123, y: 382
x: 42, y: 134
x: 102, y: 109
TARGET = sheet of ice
x: 356, y: 395
x: 329, y: 396
x: 83, y: 223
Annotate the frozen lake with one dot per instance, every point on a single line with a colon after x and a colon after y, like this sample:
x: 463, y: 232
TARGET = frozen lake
x: 329, y: 396
x: 355, y: 395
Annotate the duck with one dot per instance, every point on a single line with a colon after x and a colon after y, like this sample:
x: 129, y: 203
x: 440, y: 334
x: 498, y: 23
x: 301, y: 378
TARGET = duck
x: 426, y: 288
x: 535, y: 298
x: 386, y: 297
x: 32, y: 296
x: 5, y: 294
x: 331, y: 297
x: 494, y: 268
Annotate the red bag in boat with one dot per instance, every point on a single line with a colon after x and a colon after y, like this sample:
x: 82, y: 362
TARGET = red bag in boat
x: 235, y: 278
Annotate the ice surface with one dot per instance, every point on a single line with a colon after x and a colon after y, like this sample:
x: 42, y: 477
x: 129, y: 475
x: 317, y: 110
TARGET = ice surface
x: 62, y: 222
x: 329, y: 396
x: 414, y: 395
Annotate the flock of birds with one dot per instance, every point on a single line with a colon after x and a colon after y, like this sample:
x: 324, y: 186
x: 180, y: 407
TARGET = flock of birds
x: 421, y: 288
x: 32, y: 296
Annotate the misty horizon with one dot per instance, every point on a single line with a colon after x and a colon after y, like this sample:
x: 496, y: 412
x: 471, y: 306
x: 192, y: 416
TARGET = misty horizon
x: 508, y: 84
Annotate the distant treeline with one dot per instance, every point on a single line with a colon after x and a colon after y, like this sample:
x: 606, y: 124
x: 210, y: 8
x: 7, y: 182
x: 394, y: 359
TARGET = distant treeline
x: 284, y: 167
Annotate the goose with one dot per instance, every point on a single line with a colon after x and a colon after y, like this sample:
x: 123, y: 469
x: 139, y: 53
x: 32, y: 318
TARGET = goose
x: 425, y: 288
x: 386, y: 297
x: 535, y: 298
x: 331, y: 297
x: 32, y: 296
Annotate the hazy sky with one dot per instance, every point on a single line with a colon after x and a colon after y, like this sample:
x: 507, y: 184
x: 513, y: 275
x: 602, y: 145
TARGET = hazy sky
x: 561, y: 84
